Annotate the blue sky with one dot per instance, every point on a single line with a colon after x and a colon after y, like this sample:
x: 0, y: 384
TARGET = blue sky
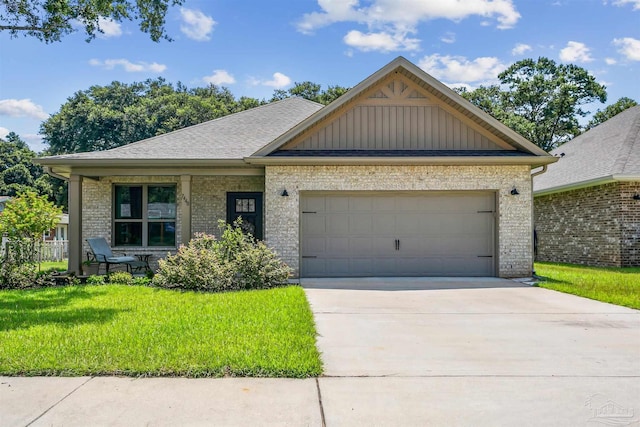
x: 255, y: 47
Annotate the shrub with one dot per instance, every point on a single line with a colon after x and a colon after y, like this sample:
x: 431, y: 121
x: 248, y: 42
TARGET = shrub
x: 235, y: 261
x: 15, y: 275
x: 121, y: 278
x: 95, y: 280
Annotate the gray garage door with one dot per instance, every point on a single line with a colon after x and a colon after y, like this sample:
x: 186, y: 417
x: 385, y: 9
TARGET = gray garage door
x: 399, y: 234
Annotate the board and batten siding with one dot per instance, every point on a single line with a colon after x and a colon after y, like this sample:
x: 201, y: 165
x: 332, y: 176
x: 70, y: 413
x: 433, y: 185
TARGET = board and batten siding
x: 391, y: 127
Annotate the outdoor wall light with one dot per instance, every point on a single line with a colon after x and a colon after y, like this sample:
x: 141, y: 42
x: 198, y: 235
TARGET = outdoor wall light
x: 284, y: 193
x: 636, y: 196
x: 514, y: 191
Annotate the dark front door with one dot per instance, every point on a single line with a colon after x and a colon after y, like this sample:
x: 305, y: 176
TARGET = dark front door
x: 249, y: 207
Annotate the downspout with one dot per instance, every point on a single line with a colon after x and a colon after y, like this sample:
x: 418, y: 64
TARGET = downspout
x: 533, y: 225
x: 50, y: 171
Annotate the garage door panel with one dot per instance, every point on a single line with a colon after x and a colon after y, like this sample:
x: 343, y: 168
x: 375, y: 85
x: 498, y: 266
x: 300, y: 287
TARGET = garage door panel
x: 314, y: 224
x: 338, y: 223
x: 421, y: 234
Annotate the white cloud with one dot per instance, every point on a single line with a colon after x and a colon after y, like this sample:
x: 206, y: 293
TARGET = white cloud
x: 109, y: 27
x: 460, y: 69
x: 389, y: 21
x: 196, y: 25
x: 383, y: 42
x: 635, y: 3
x: 4, y: 132
x: 22, y: 108
x: 407, y: 13
x: 448, y: 37
x: 279, y: 81
x: 610, y: 61
x: 219, y: 77
x: 629, y: 47
x: 576, y: 52
x: 128, y: 66
x: 520, y: 49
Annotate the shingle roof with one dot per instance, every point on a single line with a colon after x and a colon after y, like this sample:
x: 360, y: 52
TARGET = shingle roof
x: 230, y: 137
x: 610, y: 150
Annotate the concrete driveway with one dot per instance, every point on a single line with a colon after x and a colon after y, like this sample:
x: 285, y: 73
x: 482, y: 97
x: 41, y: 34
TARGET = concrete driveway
x: 473, y: 352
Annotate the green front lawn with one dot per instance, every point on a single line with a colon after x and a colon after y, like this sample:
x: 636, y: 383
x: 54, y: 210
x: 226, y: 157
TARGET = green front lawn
x: 54, y: 265
x: 142, y: 331
x: 619, y: 286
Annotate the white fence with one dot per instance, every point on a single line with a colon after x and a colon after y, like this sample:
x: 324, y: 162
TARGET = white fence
x: 50, y: 250
x: 54, y: 250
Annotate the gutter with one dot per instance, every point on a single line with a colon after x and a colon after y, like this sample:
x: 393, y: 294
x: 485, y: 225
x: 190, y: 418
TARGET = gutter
x: 354, y: 161
x: 50, y: 171
x: 588, y: 183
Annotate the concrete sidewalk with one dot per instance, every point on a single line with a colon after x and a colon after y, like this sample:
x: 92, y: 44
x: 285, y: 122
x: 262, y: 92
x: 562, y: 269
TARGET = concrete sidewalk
x: 397, y: 352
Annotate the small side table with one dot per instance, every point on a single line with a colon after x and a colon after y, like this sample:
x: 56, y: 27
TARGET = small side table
x: 142, y: 263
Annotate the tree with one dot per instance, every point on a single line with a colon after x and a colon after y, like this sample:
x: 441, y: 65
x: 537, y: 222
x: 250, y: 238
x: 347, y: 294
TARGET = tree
x: 311, y: 91
x: 540, y: 99
x: 17, y: 171
x: 618, y: 107
x: 104, y: 117
x: 28, y: 216
x: 49, y: 20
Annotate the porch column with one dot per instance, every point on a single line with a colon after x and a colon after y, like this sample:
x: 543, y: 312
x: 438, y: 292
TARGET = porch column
x: 75, y: 224
x: 185, y: 209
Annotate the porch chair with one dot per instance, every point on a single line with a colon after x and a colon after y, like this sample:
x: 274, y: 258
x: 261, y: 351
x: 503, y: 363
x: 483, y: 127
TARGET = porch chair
x: 103, y: 255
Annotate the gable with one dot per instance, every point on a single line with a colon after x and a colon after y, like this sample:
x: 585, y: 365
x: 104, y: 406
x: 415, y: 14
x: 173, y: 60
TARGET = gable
x: 398, y: 115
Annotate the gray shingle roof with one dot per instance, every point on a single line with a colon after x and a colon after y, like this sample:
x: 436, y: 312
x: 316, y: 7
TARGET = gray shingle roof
x: 610, y: 149
x: 230, y: 137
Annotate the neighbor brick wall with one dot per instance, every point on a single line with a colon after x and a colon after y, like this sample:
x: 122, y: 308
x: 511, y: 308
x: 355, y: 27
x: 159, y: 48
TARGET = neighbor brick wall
x: 630, y: 224
x: 514, y: 223
x: 209, y: 198
x: 597, y: 226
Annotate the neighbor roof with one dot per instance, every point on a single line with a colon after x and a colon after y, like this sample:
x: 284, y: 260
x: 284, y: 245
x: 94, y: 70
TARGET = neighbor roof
x: 607, y: 153
x: 231, y: 137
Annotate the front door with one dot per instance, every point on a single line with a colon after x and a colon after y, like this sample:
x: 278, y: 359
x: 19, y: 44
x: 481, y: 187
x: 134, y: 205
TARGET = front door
x: 249, y: 207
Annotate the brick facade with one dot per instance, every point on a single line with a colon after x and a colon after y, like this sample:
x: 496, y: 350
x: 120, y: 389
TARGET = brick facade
x: 208, y: 204
x: 597, y: 226
x: 514, y: 238
x: 209, y: 198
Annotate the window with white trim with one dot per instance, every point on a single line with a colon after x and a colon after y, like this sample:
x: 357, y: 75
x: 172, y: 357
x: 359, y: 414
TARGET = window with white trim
x: 144, y: 215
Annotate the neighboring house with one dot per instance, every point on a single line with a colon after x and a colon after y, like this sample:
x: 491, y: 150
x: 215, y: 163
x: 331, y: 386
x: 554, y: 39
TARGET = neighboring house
x: 398, y: 177
x: 61, y: 231
x: 3, y: 202
x: 587, y: 206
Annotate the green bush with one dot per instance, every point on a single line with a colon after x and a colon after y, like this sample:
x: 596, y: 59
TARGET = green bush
x: 235, y: 261
x: 121, y: 278
x: 15, y: 275
x: 95, y: 280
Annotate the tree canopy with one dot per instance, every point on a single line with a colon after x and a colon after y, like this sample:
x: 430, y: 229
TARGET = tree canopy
x: 50, y: 20
x: 104, y: 117
x: 312, y: 92
x: 17, y: 171
x: 540, y: 99
x: 28, y: 215
x: 616, y: 108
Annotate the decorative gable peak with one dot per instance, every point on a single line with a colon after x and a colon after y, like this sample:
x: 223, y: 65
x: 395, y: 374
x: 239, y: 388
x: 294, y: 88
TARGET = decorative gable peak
x: 397, y: 90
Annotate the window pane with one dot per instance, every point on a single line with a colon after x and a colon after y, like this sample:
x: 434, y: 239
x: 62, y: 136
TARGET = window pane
x: 238, y: 205
x: 128, y: 201
x: 162, y: 234
x: 128, y: 234
x: 162, y: 202
x: 252, y: 205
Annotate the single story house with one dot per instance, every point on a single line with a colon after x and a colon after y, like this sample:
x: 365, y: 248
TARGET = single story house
x: 398, y: 177
x: 587, y: 205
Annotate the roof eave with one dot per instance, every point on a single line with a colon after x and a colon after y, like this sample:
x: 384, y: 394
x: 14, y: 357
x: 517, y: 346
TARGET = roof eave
x: 443, y: 161
x: 584, y: 184
x: 141, y: 163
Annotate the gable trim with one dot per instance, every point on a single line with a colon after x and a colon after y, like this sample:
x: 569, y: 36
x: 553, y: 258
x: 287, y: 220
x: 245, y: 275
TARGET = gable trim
x: 441, y: 91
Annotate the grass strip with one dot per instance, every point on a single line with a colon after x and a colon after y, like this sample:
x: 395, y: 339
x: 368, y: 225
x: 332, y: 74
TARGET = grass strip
x: 619, y: 286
